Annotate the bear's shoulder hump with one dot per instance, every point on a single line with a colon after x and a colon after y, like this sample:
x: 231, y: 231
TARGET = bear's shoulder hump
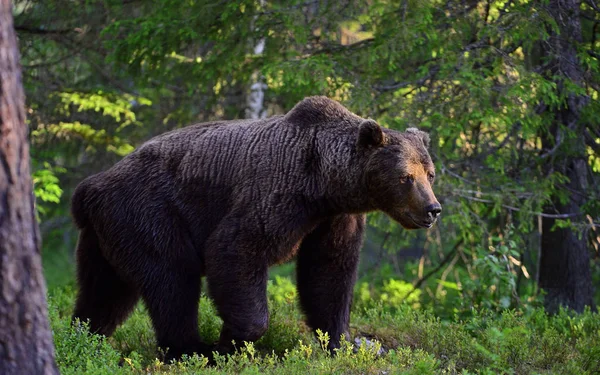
x: 318, y: 109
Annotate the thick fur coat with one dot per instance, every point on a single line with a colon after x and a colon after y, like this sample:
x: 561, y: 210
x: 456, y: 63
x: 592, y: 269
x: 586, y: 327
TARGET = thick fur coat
x: 226, y: 200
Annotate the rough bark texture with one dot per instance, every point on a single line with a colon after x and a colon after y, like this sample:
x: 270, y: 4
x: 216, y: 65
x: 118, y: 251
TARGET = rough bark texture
x: 565, y: 264
x: 25, y: 339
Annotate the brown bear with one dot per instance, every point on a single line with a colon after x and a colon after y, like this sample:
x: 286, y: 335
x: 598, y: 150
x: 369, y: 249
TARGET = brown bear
x: 228, y: 199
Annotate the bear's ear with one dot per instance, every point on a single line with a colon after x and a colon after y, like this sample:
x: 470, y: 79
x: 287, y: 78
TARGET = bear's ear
x: 421, y: 134
x: 370, y: 134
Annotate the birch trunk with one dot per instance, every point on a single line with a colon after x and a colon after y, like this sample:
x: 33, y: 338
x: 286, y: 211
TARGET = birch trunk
x: 255, y: 106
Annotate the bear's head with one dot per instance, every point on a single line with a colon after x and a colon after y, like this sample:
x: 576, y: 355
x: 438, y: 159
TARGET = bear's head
x: 399, y: 174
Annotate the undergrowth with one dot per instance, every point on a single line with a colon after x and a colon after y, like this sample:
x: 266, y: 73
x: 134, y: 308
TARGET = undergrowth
x: 399, y: 340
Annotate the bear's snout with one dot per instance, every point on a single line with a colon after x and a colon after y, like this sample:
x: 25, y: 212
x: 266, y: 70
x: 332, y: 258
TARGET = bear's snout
x: 433, y: 211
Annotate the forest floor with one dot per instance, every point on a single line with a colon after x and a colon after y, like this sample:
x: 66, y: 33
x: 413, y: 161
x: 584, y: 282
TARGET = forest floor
x: 400, y: 341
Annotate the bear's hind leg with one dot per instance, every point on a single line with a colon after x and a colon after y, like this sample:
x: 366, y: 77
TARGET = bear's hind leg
x: 103, y: 297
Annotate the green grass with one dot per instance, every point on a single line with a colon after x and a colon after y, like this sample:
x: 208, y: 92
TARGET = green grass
x: 414, y: 342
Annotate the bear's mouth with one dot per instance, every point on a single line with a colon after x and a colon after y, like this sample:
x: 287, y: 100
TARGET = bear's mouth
x: 409, y: 222
x: 421, y: 224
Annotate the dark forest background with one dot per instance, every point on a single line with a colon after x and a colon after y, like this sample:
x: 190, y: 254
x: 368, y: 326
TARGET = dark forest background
x: 508, y: 91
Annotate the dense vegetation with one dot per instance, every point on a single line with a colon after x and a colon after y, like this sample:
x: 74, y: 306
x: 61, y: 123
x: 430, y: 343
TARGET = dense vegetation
x: 408, y: 341
x: 507, y: 89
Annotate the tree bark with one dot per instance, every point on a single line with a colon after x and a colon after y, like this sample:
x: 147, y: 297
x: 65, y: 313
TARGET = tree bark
x: 565, y: 272
x: 25, y: 340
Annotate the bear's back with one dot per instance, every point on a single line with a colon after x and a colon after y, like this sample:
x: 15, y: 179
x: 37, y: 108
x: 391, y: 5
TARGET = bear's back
x: 231, y: 152
x: 231, y: 162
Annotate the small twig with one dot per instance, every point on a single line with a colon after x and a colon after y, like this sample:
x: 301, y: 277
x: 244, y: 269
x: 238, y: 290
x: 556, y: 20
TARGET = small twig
x: 559, y: 140
x: 514, y: 130
x: 444, y: 261
x: 456, y: 175
x: 445, y: 274
x: 287, y: 9
x: 592, y: 141
x: 542, y: 214
x: 380, y: 257
x: 592, y: 4
x: 31, y: 30
x: 593, y: 54
x: 45, y: 64
x: 333, y: 48
x: 399, y: 85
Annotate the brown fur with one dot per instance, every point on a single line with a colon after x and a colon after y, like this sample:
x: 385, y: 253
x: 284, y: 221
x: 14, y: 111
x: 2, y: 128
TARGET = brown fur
x: 226, y: 200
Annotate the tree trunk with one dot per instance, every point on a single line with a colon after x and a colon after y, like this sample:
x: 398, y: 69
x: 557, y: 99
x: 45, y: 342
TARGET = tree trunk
x: 565, y: 263
x: 25, y: 340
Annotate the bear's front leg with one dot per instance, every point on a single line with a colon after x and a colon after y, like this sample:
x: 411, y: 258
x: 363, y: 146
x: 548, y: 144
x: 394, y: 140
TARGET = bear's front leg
x: 326, y: 271
x: 237, y: 273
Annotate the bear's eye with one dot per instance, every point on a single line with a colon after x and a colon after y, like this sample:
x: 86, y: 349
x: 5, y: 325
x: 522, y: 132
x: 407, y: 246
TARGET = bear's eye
x: 431, y: 177
x: 408, y: 179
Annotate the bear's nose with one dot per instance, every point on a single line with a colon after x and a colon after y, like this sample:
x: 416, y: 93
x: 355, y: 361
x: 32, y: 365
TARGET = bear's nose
x: 434, y: 210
